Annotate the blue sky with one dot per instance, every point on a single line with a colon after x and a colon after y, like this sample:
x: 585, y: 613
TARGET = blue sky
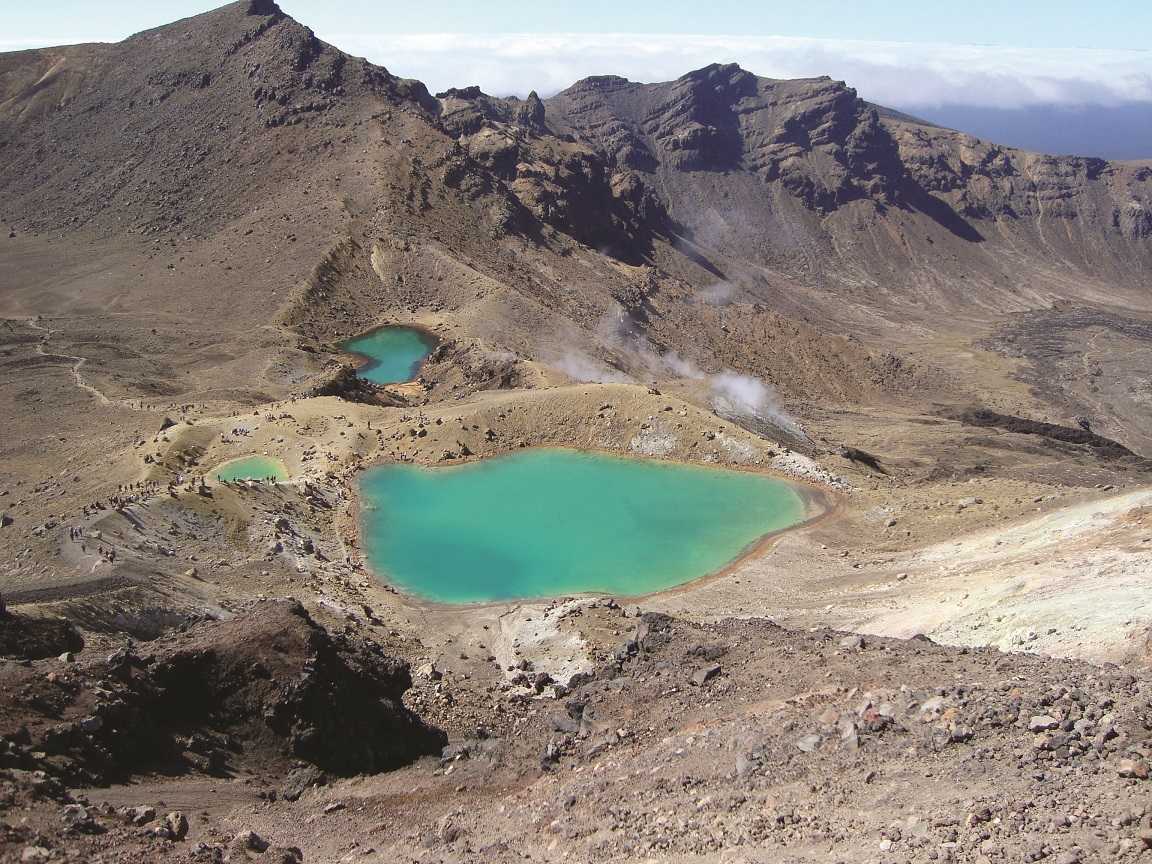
x: 1022, y: 23
x: 1008, y: 54
x: 1109, y: 24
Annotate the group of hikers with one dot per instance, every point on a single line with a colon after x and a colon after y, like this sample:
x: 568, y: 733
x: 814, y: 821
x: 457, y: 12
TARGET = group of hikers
x: 134, y: 493
x: 128, y: 493
x: 77, y: 535
x: 271, y: 478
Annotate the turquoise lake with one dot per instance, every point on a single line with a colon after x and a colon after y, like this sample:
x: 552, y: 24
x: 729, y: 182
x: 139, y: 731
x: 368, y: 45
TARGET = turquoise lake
x: 251, y: 468
x: 393, y: 354
x: 546, y: 523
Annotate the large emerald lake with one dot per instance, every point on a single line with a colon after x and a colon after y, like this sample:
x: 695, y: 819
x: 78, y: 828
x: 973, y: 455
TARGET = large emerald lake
x: 545, y: 523
x: 392, y: 354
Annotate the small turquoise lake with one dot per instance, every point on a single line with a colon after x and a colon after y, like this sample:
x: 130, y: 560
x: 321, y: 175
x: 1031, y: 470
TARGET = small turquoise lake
x: 546, y: 523
x: 252, y: 468
x: 392, y: 354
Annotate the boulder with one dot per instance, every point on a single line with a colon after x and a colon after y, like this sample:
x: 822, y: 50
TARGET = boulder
x: 176, y: 825
x: 300, y: 780
x: 141, y: 815
x: 249, y: 841
x: 703, y: 676
x: 808, y: 744
x: 1136, y: 769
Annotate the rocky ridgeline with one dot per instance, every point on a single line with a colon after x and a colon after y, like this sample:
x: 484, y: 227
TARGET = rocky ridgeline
x: 243, y: 73
x: 606, y: 161
x: 828, y: 147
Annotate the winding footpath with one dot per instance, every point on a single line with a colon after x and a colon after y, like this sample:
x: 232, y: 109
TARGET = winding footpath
x: 77, y: 363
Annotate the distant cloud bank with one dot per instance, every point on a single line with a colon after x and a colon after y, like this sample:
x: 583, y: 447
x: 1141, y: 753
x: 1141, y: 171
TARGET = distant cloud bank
x: 890, y: 73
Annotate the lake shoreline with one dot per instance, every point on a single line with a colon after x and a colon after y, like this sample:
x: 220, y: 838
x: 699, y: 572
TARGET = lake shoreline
x: 366, y: 362
x: 816, y: 505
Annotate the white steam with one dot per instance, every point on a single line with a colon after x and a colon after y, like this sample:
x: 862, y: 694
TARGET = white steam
x: 588, y: 370
x: 731, y: 394
x: 719, y: 294
x: 745, y: 396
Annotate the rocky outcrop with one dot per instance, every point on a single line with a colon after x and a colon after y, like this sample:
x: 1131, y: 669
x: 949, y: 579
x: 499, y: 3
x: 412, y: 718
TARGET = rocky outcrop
x: 262, y: 689
x: 506, y: 149
x: 347, y: 384
x: 723, y: 128
x: 530, y: 113
x: 26, y: 638
x: 815, y: 136
x: 466, y: 110
x: 1103, y: 448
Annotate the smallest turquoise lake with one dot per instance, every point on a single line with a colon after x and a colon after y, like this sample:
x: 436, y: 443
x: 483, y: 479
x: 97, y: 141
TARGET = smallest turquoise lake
x: 392, y: 354
x: 546, y: 523
x: 251, y: 468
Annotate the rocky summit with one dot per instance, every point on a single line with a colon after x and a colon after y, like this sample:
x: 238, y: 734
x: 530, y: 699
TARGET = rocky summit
x: 940, y: 347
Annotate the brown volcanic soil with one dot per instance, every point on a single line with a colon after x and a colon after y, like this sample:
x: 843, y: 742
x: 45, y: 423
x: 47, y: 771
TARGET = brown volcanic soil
x: 195, y: 218
x: 700, y: 743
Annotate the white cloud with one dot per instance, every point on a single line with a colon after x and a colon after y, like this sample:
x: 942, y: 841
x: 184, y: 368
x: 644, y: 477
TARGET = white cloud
x: 892, y: 73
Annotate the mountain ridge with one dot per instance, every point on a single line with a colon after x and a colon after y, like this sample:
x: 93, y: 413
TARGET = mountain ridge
x: 829, y: 103
x: 795, y: 200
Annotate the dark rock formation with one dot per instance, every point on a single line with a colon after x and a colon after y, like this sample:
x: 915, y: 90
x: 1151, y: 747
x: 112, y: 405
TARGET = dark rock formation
x: 347, y: 384
x: 702, y: 138
x: 1105, y: 448
x: 265, y: 688
x: 26, y: 638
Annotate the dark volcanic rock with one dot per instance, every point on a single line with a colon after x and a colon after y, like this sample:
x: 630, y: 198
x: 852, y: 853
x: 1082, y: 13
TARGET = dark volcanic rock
x: 26, y: 638
x: 262, y: 7
x: 249, y: 690
x: 720, y: 145
x: 1103, y: 447
x: 816, y: 137
x: 348, y: 385
x: 274, y: 675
